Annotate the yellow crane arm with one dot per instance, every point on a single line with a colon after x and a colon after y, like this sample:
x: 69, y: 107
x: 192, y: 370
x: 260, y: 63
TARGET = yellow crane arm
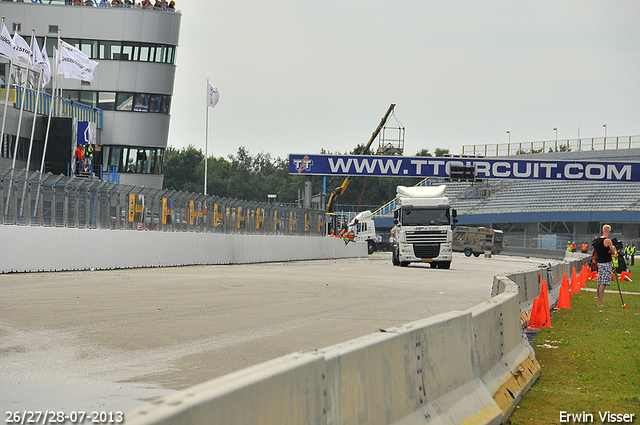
x: 340, y: 189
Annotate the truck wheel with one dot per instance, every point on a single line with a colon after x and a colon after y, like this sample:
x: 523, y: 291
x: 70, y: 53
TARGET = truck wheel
x: 404, y: 263
x: 394, y: 258
x: 476, y: 254
x: 468, y: 252
x: 445, y: 265
x: 371, y: 246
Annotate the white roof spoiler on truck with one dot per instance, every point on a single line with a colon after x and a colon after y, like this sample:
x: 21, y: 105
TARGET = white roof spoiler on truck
x: 420, y: 191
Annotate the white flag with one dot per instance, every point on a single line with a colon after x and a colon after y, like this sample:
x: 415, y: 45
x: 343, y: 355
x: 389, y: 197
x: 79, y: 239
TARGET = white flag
x: 72, y: 63
x: 41, y: 59
x: 212, y: 96
x: 6, y: 44
x: 22, y: 49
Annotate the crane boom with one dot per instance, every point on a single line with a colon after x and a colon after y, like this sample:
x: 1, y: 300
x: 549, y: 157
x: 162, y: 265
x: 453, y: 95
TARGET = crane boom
x: 340, y: 189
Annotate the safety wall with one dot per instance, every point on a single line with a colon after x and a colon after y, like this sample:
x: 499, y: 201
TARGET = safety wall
x: 27, y: 248
x: 461, y: 367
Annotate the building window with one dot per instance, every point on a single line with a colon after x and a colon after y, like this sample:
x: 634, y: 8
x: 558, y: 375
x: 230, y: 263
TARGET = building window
x: 112, y: 101
x: 117, y: 50
x: 71, y: 95
x: 141, y: 103
x: 89, y: 98
x: 127, y: 52
x: 124, y: 102
x: 165, y: 105
x: 107, y: 100
x: 134, y: 159
x: 161, y: 52
x: 89, y: 48
x: 154, y: 102
x: 110, y: 49
x: 144, y: 53
x: 73, y: 41
x: 170, y: 54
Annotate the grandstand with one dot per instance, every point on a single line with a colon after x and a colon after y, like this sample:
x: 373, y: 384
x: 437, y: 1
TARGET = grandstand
x: 527, y: 209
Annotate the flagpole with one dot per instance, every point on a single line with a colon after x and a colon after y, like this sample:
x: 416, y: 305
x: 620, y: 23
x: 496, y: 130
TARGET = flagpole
x: 24, y: 95
x: 54, y: 76
x: 44, y: 46
x: 35, y: 108
x: 6, y: 99
x: 206, y: 140
x: 4, y: 118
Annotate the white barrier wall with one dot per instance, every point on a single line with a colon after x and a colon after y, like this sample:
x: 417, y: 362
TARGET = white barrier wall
x: 529, y: 283
x: 26, y: 248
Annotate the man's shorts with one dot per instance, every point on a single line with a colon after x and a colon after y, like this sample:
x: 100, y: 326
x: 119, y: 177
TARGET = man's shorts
x: 604, y: 273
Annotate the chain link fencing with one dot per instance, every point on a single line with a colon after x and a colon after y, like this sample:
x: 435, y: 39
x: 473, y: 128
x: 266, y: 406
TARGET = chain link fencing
x: 30, y: 198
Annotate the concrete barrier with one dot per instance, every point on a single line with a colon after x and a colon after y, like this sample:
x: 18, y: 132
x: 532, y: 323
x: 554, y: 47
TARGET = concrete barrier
x: 29, y: 249
x: 530, y: 282
x: 533, y: 252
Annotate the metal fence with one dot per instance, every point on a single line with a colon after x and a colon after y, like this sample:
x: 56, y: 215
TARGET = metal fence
x: 34, y: 199
x: 549, y: 146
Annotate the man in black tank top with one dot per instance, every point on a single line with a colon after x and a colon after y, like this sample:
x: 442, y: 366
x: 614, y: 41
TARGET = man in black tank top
x: 604, y: 251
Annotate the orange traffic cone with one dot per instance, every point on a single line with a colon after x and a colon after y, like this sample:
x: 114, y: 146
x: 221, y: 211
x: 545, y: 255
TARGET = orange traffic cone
x: 626, y: 276
x: 575, y: 286
x: 540, y: 314
x: 564, y: 298
x: 545, y: 294
x: 565, y: 281
x: 584, y: 276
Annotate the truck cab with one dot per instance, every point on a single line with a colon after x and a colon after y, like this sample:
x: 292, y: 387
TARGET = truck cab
x: 364, y: 230
x: 423, y: 219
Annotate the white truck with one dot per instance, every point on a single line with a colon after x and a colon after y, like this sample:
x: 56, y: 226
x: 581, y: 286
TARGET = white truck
x: 423, y: 220
x: 364, y: 230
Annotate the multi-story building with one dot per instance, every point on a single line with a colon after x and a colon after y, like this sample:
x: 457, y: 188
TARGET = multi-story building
x: 130, y: 95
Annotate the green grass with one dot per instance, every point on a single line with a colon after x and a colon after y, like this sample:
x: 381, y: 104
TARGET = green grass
x: 624, y: 285
x: 596, y: 367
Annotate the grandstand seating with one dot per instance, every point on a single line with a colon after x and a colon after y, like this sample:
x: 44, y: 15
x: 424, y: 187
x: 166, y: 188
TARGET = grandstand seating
x: 532, y: 196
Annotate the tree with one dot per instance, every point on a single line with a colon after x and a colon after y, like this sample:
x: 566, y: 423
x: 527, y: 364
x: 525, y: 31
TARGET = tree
x: 440, y: 152
x: 423, y: 152
x: 184, y: 169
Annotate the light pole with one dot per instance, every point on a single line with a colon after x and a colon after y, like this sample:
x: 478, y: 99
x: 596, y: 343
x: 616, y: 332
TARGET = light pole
x: 556, y: 130
x: 509, y: 133
x: 605, y: 131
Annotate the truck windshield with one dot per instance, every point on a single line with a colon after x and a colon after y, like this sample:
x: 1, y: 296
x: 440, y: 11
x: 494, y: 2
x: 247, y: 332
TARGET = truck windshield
x: 422, y: 217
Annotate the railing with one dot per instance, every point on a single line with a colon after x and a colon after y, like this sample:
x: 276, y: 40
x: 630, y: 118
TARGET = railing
x: 62, y: 107
x: 34, y: 199
x: 99, y: 3
x: 551, y: 146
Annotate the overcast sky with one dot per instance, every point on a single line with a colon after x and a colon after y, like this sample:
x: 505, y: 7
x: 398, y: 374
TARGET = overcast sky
x: 296, y: 76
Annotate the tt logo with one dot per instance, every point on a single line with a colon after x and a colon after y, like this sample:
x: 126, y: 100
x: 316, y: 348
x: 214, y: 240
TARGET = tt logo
x: 303, y: 164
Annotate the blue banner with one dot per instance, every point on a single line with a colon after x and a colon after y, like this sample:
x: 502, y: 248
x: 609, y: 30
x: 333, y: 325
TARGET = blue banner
x: 420, y: 166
